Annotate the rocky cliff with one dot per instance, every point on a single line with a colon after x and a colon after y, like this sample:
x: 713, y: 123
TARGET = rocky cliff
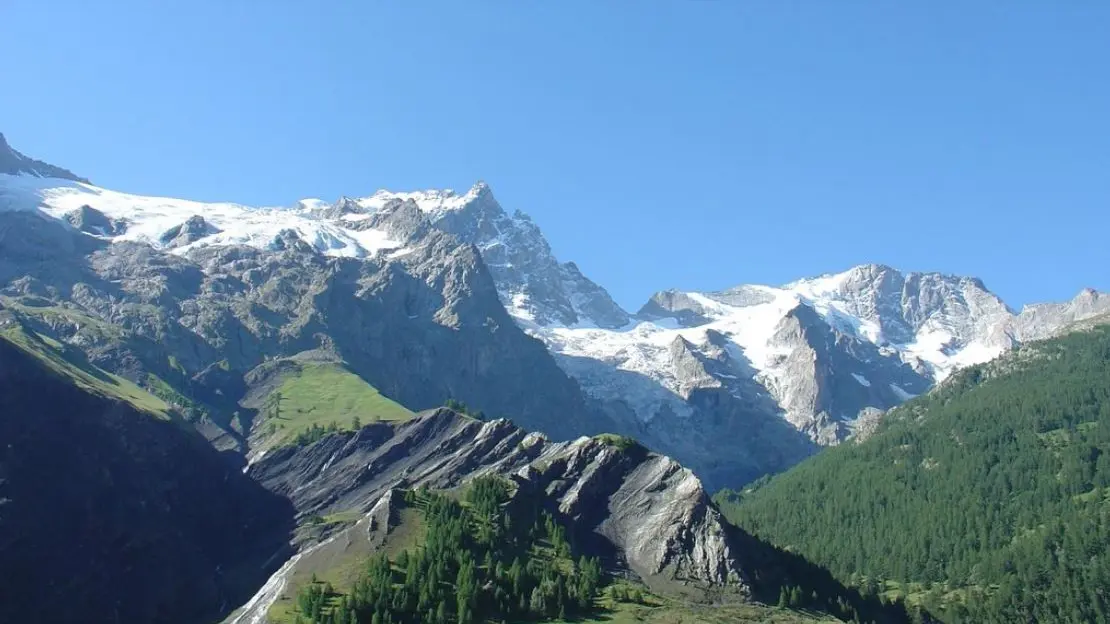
x: 645, y: 513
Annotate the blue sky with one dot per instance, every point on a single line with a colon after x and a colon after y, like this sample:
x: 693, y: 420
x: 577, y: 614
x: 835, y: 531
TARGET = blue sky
x: 690, y: 144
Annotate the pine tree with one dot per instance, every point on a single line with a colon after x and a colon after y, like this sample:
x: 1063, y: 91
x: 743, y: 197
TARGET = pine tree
x: 538, y: 604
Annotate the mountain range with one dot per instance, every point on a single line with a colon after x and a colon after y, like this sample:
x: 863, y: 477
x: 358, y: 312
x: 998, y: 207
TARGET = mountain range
x: 433, y: 295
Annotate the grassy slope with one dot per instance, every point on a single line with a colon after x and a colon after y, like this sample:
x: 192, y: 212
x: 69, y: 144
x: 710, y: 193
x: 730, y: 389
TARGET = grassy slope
x: 321, y: 393
x: 54, y: 314
x: 84, y: 374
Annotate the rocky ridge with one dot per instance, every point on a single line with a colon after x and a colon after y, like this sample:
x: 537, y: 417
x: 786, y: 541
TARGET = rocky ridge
x: 12, y: 162
x: 643, y: 511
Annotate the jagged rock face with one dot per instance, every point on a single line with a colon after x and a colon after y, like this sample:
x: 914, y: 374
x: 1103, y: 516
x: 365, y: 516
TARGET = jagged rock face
x: 901, y: 305
x: 653, y: 512
x: 686, y: 311
x: 826, y: 378
x: 534, y: 285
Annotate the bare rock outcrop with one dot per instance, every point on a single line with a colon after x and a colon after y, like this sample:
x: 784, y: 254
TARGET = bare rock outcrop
x: 645, y: 509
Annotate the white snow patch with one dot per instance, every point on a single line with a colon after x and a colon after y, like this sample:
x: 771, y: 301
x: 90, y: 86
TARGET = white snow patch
x: 643, y: 347
x: 518, y: 306
x: 355, y: 216
x: 902, y: 394
x: 863, y: 381
x: 937, y: 347
x: 435, y: 202
x: 400, y: 253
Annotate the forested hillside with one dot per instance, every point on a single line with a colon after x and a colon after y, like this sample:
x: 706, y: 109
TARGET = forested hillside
x: 489, y: 554
x: 480, y: 560
x: 987, y: 500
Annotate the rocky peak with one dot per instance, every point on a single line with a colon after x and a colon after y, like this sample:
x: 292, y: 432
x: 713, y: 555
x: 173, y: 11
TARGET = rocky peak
x: 674, y: 304
x: 13, y: 162
x: 193, y: 229
x: 900, y: 305
x: 532, y: 283
x: 1087, y: 296
x: 402, y: 219
x: 91, y: 221
x: 289, y: 239
x: 1046, y: 319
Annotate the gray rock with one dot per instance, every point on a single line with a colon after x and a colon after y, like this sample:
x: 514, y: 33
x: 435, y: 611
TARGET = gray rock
x: 650, y: 509
x: 91, y: 221
x: 527, y: 273
x: 1044, y: 320
x: 192, y: 230
x: 674, y: 304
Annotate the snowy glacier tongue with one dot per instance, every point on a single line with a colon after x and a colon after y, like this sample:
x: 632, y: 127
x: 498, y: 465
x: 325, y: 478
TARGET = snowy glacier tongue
x: 149, y: 219
x: 643, y: 346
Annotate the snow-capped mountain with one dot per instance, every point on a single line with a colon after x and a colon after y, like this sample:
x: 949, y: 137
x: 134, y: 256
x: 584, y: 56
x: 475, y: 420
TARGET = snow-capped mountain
x: 819, y: 352
x: 735, y: 383
x: 535, y: 287
x: 182, y: 225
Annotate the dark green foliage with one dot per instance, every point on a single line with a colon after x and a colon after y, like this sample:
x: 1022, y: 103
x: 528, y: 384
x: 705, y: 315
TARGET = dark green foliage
x: 789, y: 580
x: 623, y: 443
x: 475, y: 565
x: 460, y: 407
x: 997, y: 484
x: 314, y: 433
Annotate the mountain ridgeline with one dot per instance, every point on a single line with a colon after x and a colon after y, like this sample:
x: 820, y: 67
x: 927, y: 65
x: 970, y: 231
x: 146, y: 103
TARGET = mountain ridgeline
x: 433, y: 295
x: 987, y: 500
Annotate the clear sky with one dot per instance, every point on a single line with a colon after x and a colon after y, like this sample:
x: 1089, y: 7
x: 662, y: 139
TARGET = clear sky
x: 689, y: 144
